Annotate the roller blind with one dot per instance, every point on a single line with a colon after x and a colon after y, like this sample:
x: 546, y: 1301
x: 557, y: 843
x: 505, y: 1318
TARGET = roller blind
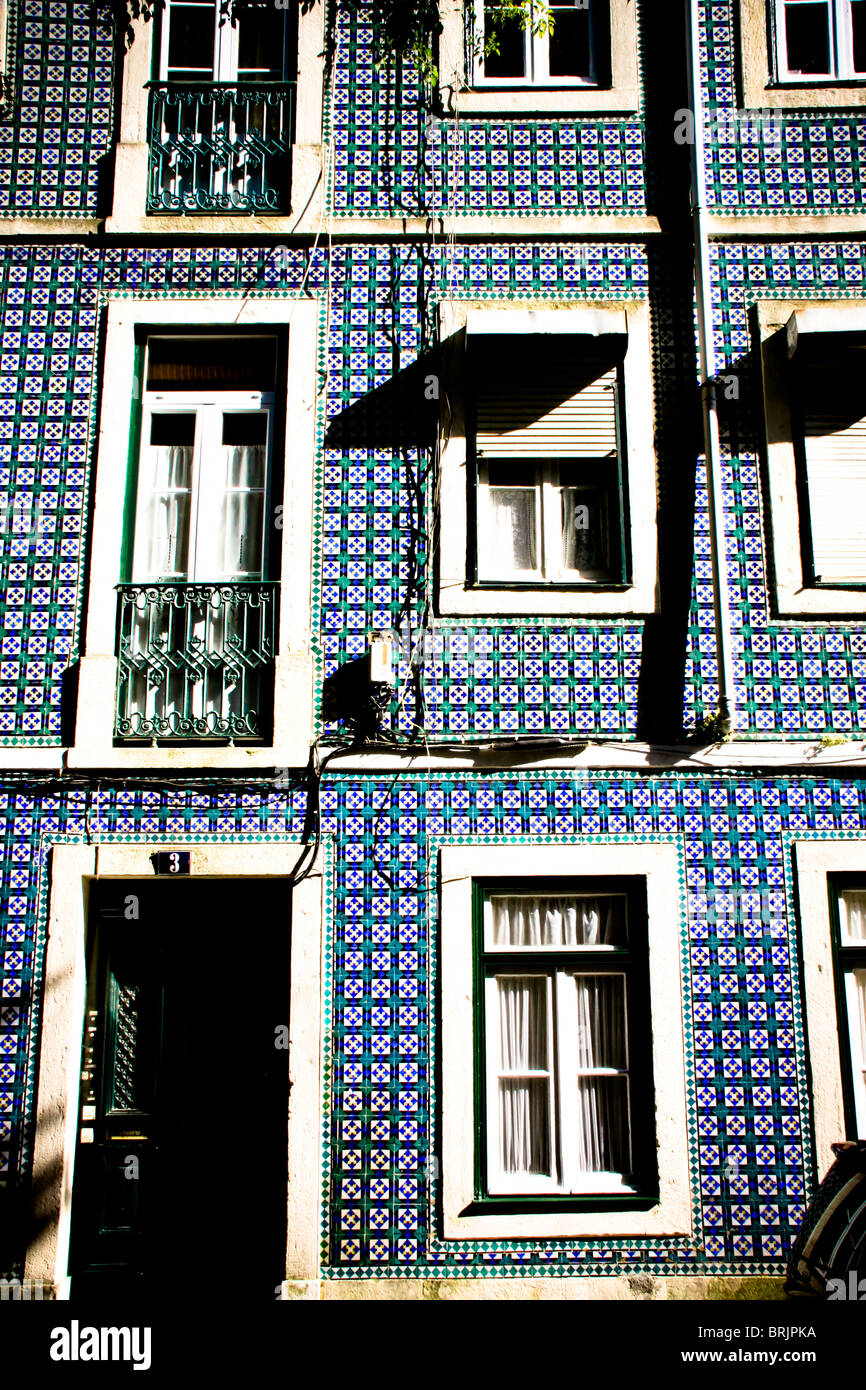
x: 832, y: 378
x: 537, y: 400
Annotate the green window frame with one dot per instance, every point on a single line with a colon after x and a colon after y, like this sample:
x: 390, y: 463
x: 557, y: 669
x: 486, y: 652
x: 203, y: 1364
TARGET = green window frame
x: 551, y: 969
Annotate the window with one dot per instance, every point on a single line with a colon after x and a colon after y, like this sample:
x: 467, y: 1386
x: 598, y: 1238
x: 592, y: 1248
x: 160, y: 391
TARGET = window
x: 565, y: 54
x: 560, y: 981
x: 205, y: 462
x: 587, y: 61
x: 548, y: 459
x: 222, y: 111
x: 802, y: 53
x: 206, y: 448
x: 849, y: 897
x: 559, y: 973
x: 548, y: 470
x: 197, y: 44
x: 813, y: 358
x: 820, y: 40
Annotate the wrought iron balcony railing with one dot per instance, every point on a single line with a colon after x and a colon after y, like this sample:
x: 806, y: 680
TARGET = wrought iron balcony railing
x: 220, y: 147
x: 195, y: 661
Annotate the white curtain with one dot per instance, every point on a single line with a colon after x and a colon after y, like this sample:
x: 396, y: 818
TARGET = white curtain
x: 524, y: 1118
x: 583, y: 545
x: 166, y: 534
x: 238, y: 544
x: 510, y: 536
x: 551, y: 921
x: 602, y: 1113
x: 852, y: 905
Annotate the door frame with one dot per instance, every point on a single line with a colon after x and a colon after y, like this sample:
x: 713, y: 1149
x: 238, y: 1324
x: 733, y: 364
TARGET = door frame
x: 72, y: 869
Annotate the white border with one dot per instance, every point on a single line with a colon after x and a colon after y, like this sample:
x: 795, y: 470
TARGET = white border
x: 293, y: 695
x: 456, y: 594
x: 793, y: 595
x: 658, y: 864
x: 73, y: 868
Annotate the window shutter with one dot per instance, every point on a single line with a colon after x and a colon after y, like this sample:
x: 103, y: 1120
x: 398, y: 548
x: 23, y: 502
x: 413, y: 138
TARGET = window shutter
x: 536, y: 403
x: 835, y: 453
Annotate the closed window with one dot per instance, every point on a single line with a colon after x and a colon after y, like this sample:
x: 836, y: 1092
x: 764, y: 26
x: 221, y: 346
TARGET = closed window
x: 829, y: 415
x: 820, y: 40
x: 850, y: 902
x: 562, y: 53
x: 562, y: 984
x: 548, y: 428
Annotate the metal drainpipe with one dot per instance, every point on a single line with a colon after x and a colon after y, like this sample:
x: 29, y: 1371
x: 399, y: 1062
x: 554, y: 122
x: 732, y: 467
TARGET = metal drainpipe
x: 708, y: 368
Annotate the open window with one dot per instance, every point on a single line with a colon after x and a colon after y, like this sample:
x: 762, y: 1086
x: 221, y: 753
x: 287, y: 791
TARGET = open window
x: 813, y: 358
x: 222, y: 109
x: 548, y: 459
x: 848, y: 899
x: 585, y: 60
x: 548, y: 471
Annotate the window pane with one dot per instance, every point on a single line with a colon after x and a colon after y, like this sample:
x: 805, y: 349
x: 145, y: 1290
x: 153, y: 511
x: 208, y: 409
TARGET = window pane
x: 524, y: 1101
x: 240, y: 541
x: 858, y: 34
x: 510, y: 60
x: 523, y: 1022
x: 807, y: 38
x: 245, y: 427
x: 855, y: 990
x: 852, y: 914
x: 260, y: 44
x: 507, y: 540
x: 603, y: 1143
x: 230, y: 363
x: 601, y: 1037
x: 570, y: 51
x: 829, y: 396
x: 166, y: 546
x: 557, y: 921
x: 585, y: 534
x: 524, y: 1126
x: 167, y: 430
x: 191, y: 40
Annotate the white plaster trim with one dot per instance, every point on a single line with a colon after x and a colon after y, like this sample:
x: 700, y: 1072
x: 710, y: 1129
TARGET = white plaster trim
x: 461, y: 97
x: 759, y: 85
x: 456, y: 594
x: 658, y: 864
x: 72, y: 870
x: 793, y: 595
x: 293, y: 696
x: 814, y: 860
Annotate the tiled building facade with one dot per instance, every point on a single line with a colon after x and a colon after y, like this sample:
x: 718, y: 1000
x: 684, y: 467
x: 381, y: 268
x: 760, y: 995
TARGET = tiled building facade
x: 542, y: 742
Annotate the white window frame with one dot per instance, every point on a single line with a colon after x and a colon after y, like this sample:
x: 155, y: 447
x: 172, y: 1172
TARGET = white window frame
x: 536, y: 56
x: 763, y: 81
x: 465, y: 92
x: 207, y: 407
x: 816, y: 861
x: 458, y: 593
x: 794, y: 596
x: 840, y: 41
x: 225, y: 44
x: 853, y: 979
x: 658, y: 865
x: 293, y: 674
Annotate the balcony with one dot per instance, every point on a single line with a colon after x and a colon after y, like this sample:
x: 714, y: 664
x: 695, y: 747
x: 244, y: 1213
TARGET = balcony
x: 195, y: 662
x: 220, y: 147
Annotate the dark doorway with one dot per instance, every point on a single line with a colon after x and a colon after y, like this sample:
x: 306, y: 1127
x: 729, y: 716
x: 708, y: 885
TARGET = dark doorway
x: 181, y: 1165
